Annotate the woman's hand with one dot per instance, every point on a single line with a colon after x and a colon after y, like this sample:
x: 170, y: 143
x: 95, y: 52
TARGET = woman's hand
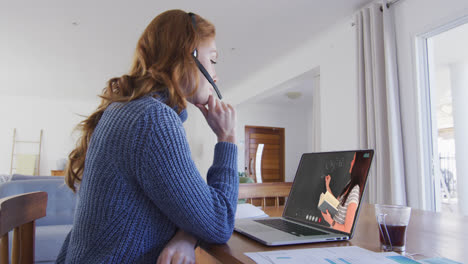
x: 327, y: 217
x: 221, y: 118
x: 327, y: 182
x: 180, y: 249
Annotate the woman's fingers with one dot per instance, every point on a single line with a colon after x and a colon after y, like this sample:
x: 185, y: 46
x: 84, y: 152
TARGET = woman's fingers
x: 177, y: 259
x: 211, y: 102
x: 165, y: 257
x: 171, y: 257
x: 225, y: 108
x: 233, y: 112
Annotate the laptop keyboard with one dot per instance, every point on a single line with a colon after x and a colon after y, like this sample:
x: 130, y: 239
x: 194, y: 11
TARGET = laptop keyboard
x: 291, y: 228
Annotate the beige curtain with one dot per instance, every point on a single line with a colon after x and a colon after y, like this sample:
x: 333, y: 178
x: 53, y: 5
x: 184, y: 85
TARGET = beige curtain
x: 379, y: 106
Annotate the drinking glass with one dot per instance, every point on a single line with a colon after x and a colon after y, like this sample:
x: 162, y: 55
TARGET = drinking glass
x: 393, y: 222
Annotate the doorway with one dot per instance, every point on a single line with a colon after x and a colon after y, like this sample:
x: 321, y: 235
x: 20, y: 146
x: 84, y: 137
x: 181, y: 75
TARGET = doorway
x: 271, y: 166
x: 444, y: 68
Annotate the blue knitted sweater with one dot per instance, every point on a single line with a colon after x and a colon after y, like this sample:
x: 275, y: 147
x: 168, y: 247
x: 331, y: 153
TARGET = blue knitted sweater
x: 140, y: 185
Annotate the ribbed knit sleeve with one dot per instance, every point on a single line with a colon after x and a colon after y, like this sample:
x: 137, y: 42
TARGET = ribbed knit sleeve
x: 169, y: 177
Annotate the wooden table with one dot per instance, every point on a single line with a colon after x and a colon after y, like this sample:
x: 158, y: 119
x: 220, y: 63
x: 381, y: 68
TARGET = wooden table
x: 429, y: 235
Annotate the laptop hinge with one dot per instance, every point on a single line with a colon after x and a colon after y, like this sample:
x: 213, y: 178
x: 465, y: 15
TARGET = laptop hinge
x: 314, y: 225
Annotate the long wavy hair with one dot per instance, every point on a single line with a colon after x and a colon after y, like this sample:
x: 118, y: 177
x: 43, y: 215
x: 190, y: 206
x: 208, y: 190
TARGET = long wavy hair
x: 358, y: 175
x: 162, y: 63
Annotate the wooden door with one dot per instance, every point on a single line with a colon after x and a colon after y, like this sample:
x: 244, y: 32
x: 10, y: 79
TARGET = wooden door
x: 272, y: 164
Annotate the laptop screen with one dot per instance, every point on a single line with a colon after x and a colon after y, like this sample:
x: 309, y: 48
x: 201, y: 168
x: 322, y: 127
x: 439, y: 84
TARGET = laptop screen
x: 328, y: 188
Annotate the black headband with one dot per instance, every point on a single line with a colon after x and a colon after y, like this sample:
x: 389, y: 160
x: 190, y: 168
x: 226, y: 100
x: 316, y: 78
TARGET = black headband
x: 194, y: 23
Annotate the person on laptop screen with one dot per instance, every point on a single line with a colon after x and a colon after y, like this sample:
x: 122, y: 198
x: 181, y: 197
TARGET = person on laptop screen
x: 349, y: 197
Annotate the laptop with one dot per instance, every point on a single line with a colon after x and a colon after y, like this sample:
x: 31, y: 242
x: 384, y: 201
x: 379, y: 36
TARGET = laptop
x: 306, y: 217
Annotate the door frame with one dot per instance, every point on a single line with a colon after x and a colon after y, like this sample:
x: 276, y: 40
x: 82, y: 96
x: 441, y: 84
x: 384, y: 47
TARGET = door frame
x: 430, y: 167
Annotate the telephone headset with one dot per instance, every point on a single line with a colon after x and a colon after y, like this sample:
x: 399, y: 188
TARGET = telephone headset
x: 200, y: 66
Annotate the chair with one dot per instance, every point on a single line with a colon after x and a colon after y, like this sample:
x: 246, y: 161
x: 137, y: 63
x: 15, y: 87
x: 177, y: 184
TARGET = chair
x: 52, y: 229
x: 18, y: 213
x: 265, y: 190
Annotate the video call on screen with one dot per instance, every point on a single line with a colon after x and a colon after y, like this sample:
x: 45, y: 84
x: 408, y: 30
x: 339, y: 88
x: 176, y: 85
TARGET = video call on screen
x: 309, y: 183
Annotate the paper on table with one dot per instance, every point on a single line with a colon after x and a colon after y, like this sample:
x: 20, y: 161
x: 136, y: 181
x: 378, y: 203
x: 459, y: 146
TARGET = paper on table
x: 327, y: 255
x: 438, y: 261
x: 401, y: 259
x: 249, y: 211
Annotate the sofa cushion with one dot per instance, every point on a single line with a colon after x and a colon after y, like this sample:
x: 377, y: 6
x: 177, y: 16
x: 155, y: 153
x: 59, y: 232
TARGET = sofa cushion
x: 49, y: 241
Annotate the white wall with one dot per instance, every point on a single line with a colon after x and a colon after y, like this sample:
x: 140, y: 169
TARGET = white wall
x: 334, y: 51
x: 414, y: 18
x: 29, y: 115
x: 58, y: 118
x: 292, y: 119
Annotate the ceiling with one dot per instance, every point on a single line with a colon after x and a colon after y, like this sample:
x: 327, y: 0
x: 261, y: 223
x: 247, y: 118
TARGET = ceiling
x: 64, y: 48
x: 451, y: 46
x: 302, y: 85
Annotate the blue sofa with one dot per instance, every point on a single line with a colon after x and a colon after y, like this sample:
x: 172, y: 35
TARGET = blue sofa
x: 54, y: 227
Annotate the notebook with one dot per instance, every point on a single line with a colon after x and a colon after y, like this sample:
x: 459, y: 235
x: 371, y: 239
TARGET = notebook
x: 303, y: 220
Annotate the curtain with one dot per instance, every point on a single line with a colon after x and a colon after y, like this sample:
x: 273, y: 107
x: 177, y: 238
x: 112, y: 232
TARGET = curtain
x: 379, y: 106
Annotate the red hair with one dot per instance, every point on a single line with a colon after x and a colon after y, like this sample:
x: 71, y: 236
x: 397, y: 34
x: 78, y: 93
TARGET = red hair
x: 162, y: 63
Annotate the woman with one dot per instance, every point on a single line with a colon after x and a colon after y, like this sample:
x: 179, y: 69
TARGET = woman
x: 140, y: 194
x: 349, y: 197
